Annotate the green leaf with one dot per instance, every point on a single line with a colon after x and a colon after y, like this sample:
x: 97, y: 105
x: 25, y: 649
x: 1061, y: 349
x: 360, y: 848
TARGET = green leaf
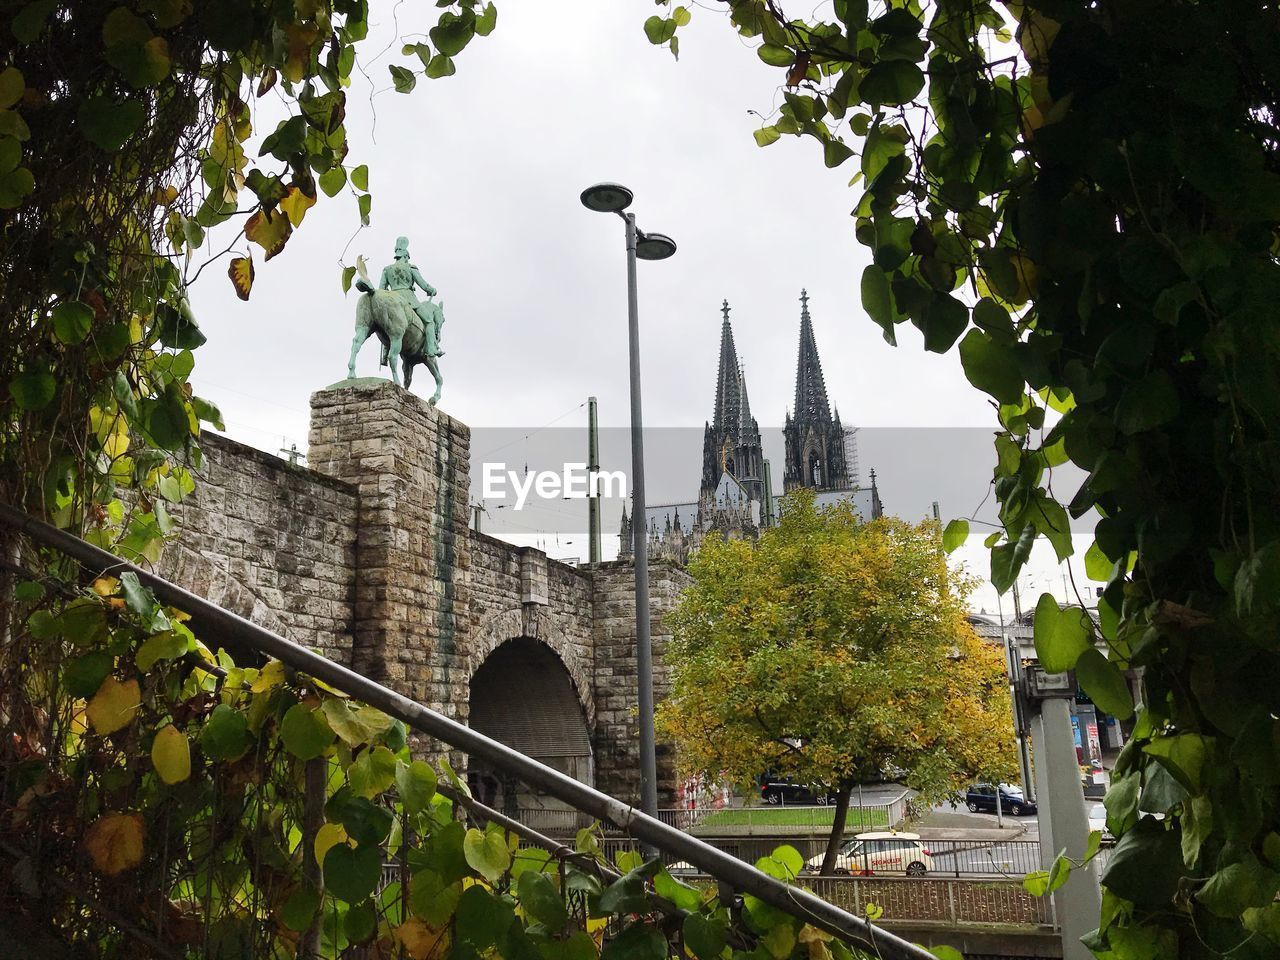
x: 441, y: 66
x: 226, y: 734
x: 705, y: 936
x: 416, y: 784
x: 775, y: 55
x: 1104, y: 683
x: 991, y: 366
x: 431, y: 899
x: 891, y: 83
x: 659, y: 29
x: 333, y: 180
x: 12, y: 86
x: 877, y: 299
x: 835, y: 152
x: 83, y: 676
x: 372, y: 772
x: 453, y: 32
x: 405, y: 80
x: 348, y: 274
x: 1061, y: 636
x: 487, y: 854
x: 766, y: 135
x: 138, y: 598
x: 167, y: 421
x: 71, y: 321
x: 1182, y: 755
x: 360, y: 922
x: 1036, y: 883
x: 1149, y: 403
x: 364, y: 202
x: 943, y: 952
x: 1237, y: 887
x: 287, y: 139
x: 351, y: 873
x: 355, y: 725
x: 208, y: 413
x: 33, y: 389
x: 365, y: 821
x: 29, y: 22
x: 107, y: 123
x: 305, y: 733
x: 487, y: 20
x: 541, y: 900
x: 682, y: 895
x: 301, y: 907
x: 944, y: 320
x: 955, y: 535
x: 1097, y: 566
x: 482, y: 919
x: 166, y: 645
x: 1146, y: 865
x: 638, y: 942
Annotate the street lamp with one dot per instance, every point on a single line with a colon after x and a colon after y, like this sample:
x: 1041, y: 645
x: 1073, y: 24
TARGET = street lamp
x: 615, y: 198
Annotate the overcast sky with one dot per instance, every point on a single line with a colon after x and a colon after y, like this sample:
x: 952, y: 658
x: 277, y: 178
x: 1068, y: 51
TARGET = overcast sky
x: 483, y: 170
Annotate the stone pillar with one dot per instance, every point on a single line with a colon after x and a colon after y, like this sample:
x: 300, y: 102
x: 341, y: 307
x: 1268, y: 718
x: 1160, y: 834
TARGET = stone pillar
x: 411, y: 465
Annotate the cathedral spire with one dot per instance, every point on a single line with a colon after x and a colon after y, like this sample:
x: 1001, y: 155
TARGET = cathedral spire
x: 811, y: 389
x: 727, y: 396
x: 731, y: 442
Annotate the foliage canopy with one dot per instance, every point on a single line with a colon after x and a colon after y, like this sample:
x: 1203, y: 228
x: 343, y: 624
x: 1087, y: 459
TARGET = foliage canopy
x: 1084, y: 197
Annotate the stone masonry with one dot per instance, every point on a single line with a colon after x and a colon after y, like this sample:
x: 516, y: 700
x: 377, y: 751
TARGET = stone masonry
x: 367, y: 556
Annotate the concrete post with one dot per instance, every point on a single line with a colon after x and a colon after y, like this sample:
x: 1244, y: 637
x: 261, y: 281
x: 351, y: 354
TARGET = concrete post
x: 1064, y: 825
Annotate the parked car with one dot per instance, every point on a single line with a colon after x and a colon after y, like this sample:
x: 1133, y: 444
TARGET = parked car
x: 982, y: 797
x: 880, y: 854
x: 782, y: 790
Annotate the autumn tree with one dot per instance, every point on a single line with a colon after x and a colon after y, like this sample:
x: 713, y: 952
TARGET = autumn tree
x: 832, y: 650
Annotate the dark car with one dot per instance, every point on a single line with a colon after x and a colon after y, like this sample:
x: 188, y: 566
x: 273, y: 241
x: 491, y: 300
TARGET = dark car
x: 982, y: 797
x: 781, y: 790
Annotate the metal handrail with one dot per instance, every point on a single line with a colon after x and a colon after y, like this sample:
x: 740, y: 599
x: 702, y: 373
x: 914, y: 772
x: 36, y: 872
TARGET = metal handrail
x: 743, y: 877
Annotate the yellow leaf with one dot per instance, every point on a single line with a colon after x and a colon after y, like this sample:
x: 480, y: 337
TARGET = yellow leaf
x: 164, y: 195
x: 296, y: 204
x: 328, y: 836
x: 114, y: 842
x: 421, y: 940
x: 241, y: 273
x: 114, y: 705
x: 171, y: 754
x: 272, y: 675
x: 270, y: 230
x: 105, y: 586
x: 116, y: 444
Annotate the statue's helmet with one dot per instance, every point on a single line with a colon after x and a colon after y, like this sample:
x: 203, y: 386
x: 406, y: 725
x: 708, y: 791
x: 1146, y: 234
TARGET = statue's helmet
x: 402, y: 247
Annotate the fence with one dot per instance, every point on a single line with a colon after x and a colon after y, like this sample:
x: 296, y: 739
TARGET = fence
x: 1003, y: 859
x: 737, y: 821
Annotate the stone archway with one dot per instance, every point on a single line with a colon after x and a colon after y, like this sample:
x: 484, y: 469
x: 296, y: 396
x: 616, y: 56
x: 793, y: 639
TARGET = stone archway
x: 524, y: 696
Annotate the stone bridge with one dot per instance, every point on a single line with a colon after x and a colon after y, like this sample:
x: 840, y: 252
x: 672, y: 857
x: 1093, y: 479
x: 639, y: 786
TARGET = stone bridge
x: 367, y: 556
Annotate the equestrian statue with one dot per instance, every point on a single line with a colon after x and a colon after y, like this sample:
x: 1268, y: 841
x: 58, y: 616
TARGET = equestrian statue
x: 409, y: 329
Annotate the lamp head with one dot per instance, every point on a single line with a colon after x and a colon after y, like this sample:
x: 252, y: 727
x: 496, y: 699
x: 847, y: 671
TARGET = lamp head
x: 654, y: 246
x: 607, y: 198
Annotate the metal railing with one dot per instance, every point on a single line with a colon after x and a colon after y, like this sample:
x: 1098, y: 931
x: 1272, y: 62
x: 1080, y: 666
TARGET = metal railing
x: 233, y: 629
x: 738, y: 821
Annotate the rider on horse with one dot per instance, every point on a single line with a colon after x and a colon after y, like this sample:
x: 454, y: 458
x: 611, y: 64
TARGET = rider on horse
x: 401, y: 277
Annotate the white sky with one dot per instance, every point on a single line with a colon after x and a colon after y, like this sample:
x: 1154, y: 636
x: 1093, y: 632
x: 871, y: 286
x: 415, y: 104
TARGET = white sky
x: 482, y: 171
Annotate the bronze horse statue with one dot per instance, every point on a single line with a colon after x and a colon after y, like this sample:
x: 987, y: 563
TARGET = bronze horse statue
x: 403, y: 335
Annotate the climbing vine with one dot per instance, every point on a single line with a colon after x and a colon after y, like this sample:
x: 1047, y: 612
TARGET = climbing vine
x: 1082, y: 200
x: 161, y: 800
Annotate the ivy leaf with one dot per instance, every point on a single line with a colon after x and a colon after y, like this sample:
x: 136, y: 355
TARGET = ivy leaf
x: 360, y: 177
x: 240, y: 271
x: 453, y: 32
x: 486, y: 853
x: 638, y: 942
x: 364, y: 202
x: 71, y: 321
x: 333, y: 180
x: 541, y: 900
x: 355, y: 725
x: 404, y: 79
x: 28, y: 23
x: 108, y: 123
x: 943, y: 321
x: 115, y: 841
x: 351, y: 873
x: 482, y: 919
x: 431, y: 899
x: 287, y: 139
x: 1149, y: 403
x: 1239, y: 886
x: 441, y: 66
x: 269, y: 229
x: 372, y: 772
x: 487, y: 20
x: 171, y: 755
x: 1104, y: 683
x: 991, y: 366
x: 167, y: 421
x: 955, y: 535
x: 835, y: 152
x: 1061, y: 636
x: 766, y: 135
x: 775, y: 55
x: 300, y: 909
x: 114, y: 706
x: 83, y: 676
x: 304, y: 732
x: 226, y: 734
x: 416, y: 785
x: 891, y: 83
x: 33, y: 389
x: 365, y: 821
x: 705, y: 936
x: 1182, y: 755
x: 12, y: 86
x: 166, y: 645
x: 682, y: 895
x: 1146, y: 864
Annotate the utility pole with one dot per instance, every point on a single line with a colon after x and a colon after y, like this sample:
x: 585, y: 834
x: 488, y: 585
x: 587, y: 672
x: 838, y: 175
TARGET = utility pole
x: 593, y: 470
x: 767, y: 519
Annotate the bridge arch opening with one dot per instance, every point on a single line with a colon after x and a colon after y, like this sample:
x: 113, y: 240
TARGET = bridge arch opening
x: 522, y: 695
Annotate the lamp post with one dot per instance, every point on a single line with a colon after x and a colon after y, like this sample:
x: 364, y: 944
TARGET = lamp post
x: 615, y: 198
